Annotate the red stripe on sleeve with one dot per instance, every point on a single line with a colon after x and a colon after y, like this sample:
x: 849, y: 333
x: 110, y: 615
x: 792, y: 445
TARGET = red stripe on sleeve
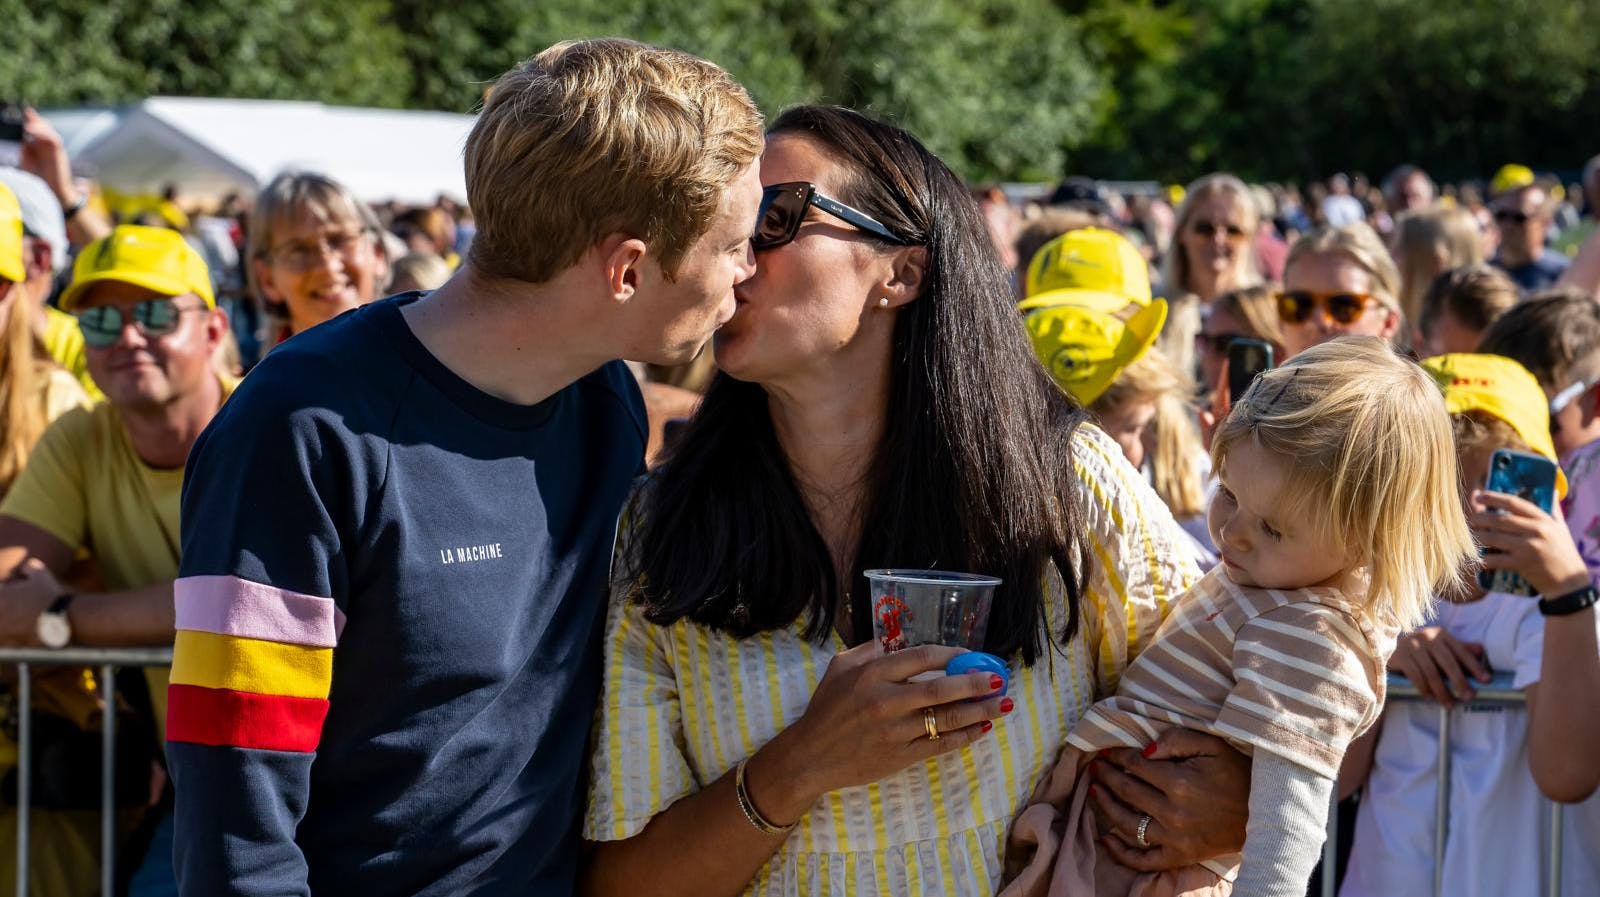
x: 218, y: 716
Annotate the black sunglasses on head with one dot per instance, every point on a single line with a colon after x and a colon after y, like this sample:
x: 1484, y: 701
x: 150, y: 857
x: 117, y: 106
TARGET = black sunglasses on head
x: 783, y: 208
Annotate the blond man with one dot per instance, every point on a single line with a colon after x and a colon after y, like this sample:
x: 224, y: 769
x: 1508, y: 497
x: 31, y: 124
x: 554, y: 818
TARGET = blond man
x: 396, y: 535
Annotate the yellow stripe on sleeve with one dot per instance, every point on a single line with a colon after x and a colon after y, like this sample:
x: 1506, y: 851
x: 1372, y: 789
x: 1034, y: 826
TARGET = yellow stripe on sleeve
x: 208, y: 660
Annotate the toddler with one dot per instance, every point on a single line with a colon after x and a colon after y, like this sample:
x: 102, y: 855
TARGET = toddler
x: 1338, y: 514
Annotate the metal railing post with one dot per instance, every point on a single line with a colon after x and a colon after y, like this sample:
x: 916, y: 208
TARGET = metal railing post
x: 1441, y: 806
x: 1330, y: 849
x: 24, y: 770
x: 108, y: 782
x: 1557, y: 836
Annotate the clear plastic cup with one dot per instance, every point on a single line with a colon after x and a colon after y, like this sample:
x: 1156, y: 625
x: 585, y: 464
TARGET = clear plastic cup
x: 930, y: 607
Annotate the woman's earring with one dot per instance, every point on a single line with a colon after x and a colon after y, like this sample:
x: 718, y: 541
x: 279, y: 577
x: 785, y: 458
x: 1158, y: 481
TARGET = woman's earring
x: 883, y: 301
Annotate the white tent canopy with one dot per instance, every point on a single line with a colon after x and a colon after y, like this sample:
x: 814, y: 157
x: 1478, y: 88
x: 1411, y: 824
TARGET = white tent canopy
x: 215, y: 146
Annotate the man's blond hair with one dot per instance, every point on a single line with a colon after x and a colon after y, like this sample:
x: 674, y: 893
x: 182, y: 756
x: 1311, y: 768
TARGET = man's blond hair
x: 595, y: 137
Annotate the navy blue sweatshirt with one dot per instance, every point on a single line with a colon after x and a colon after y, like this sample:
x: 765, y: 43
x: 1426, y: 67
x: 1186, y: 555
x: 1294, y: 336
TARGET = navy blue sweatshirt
x: 389, y: 610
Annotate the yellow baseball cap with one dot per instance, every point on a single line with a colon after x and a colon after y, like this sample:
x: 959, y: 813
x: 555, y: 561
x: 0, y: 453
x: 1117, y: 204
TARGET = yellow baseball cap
x: 1510, y: 177
x: 151, y: 257
x: 1089, y: 310
x: 1500, y: 387
x: 12, y: 265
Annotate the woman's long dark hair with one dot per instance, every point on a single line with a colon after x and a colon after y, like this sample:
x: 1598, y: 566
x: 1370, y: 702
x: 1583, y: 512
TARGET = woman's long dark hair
x: 974, y: 472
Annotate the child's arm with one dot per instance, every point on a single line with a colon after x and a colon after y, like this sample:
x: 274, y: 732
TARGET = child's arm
x: 1358, y: 761
x: 1562, y: 725
x: 1288, y: 822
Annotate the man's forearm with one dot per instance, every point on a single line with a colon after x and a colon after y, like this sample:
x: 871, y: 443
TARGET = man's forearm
x: 141, y: 616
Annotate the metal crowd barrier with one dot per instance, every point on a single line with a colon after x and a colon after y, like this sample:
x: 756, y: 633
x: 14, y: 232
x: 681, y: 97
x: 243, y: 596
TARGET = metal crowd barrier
x: 1497, y: 691
x: 108, y: 660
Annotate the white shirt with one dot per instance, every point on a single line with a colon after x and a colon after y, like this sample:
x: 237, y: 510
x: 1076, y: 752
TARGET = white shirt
x: 1498, y: 822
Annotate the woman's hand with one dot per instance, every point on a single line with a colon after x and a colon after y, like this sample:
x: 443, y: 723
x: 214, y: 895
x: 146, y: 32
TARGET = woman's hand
x: 1194, y: 787
x: 1438, y: 664
x: 865, y: 722
x: 1523, y: 538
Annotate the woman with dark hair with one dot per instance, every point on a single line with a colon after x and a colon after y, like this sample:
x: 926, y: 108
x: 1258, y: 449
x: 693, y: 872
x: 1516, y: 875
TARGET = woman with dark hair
x: 879, y: 406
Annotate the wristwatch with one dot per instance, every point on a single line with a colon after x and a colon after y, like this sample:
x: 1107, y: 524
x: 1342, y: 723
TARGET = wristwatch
x: 1570, y: 603
x: 53, y: 627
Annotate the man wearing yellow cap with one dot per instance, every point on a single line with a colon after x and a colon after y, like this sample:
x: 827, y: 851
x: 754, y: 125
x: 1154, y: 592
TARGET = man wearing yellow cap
x: 1522, y: 211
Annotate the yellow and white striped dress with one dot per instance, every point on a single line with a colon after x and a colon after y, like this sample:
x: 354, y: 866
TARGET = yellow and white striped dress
x: 684, y: 703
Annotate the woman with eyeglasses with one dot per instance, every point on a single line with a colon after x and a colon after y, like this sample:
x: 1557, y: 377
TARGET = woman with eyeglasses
x: 879, y: 406
x: 1338, y: 281
x: 315, y: 253
x: 1213, y: 252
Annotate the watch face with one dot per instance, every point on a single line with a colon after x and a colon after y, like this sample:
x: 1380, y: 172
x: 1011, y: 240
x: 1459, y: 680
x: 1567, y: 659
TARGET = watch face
x: 54, y: 630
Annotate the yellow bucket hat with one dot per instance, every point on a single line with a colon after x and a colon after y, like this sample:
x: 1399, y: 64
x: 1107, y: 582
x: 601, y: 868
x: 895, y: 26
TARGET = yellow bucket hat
x: 1089, y: 310
x: 151, y: 257
x: 12, y: 265
x: 1500, y: 387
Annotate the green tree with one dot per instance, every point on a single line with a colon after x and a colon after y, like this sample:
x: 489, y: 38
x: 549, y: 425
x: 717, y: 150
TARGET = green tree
x: 57, y: 52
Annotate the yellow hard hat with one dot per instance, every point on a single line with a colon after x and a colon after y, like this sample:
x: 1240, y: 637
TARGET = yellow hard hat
x: 1089, y: 310
x: 151, y: 257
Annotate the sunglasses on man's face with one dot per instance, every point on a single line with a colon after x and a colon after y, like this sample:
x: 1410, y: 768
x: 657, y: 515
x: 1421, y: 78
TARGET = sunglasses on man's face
x: 1298, y: 306
x: 783, y: 209
x: 102, y: 325
x: 1506, y: 216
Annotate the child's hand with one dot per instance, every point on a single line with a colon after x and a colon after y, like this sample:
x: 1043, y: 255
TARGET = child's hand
x: 1429, y: 656
x: 1525, y: 539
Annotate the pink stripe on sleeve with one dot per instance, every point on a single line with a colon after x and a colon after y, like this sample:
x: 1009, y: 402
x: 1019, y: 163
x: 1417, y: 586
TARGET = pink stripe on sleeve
x: 228, y: 605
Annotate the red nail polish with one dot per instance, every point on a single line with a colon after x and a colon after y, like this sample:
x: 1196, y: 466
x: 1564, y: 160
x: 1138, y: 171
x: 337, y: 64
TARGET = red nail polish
x: 987, y: 725
x: 1149, y: 750
x: 995, y: 682
x: 1102, y: 753
x: 1093, y: 791
x: 1006, y: 704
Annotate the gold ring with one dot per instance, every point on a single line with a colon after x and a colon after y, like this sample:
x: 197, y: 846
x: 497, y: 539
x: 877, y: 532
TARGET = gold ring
x: 929, y: 724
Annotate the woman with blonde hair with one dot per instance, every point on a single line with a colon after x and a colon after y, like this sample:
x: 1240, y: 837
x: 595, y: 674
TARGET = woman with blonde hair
x: 1339, y: 281
x: 315, y: 253
x: 1428, y: 243
x: 33, y: 390
x: 1213, y: 251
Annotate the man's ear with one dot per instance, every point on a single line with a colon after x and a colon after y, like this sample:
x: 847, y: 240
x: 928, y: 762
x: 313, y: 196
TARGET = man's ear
x: 621, y: 259
x: 907, y: 277
x: 39, y: 258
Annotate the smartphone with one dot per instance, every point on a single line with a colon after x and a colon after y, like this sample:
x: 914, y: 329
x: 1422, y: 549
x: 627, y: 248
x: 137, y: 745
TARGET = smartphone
x: 1246, y: 358
x: 11, y: 122
x: 1531, y: 478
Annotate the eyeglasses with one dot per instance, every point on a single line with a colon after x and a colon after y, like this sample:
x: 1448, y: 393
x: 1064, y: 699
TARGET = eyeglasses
x: 1215, y: 343
x: 1560, y: 401
x: 1509, y: 217
x: 305, y: 255
x: 783, y: 208
x: 1297, y: 306
x: 102, y: 325
x: 1209, y: 229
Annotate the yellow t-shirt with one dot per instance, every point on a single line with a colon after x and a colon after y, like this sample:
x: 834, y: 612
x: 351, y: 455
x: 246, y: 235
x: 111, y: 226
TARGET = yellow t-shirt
x: 85, y: 485
x: 64, y: 341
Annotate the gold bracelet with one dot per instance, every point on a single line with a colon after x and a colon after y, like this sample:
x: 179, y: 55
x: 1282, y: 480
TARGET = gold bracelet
x: 748, y: 807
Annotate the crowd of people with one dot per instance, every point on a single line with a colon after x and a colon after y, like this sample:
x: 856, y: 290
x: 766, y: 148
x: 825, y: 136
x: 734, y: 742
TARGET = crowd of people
x: 514, y: 545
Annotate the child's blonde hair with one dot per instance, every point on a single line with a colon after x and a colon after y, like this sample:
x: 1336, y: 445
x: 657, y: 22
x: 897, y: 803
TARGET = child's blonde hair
x: 1175, y: 465
x: 1373, y: 458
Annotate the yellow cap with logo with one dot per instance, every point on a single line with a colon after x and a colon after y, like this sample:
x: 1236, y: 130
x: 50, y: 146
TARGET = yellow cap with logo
x: 151, y: 257
x: 12, y: 266
x: 1088, y: 309
x: 1500, y: 387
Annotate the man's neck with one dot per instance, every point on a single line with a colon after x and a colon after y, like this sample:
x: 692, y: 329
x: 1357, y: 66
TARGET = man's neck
x: 1516, y: 256
x: 516, y: 341
x: 162, y: 436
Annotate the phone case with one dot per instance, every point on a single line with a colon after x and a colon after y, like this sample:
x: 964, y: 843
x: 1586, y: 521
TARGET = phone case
x: 1529, y: 477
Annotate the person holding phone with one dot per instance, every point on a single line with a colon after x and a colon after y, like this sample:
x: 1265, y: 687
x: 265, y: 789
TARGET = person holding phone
x: 1547, y: 642
x: 878, y: 406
